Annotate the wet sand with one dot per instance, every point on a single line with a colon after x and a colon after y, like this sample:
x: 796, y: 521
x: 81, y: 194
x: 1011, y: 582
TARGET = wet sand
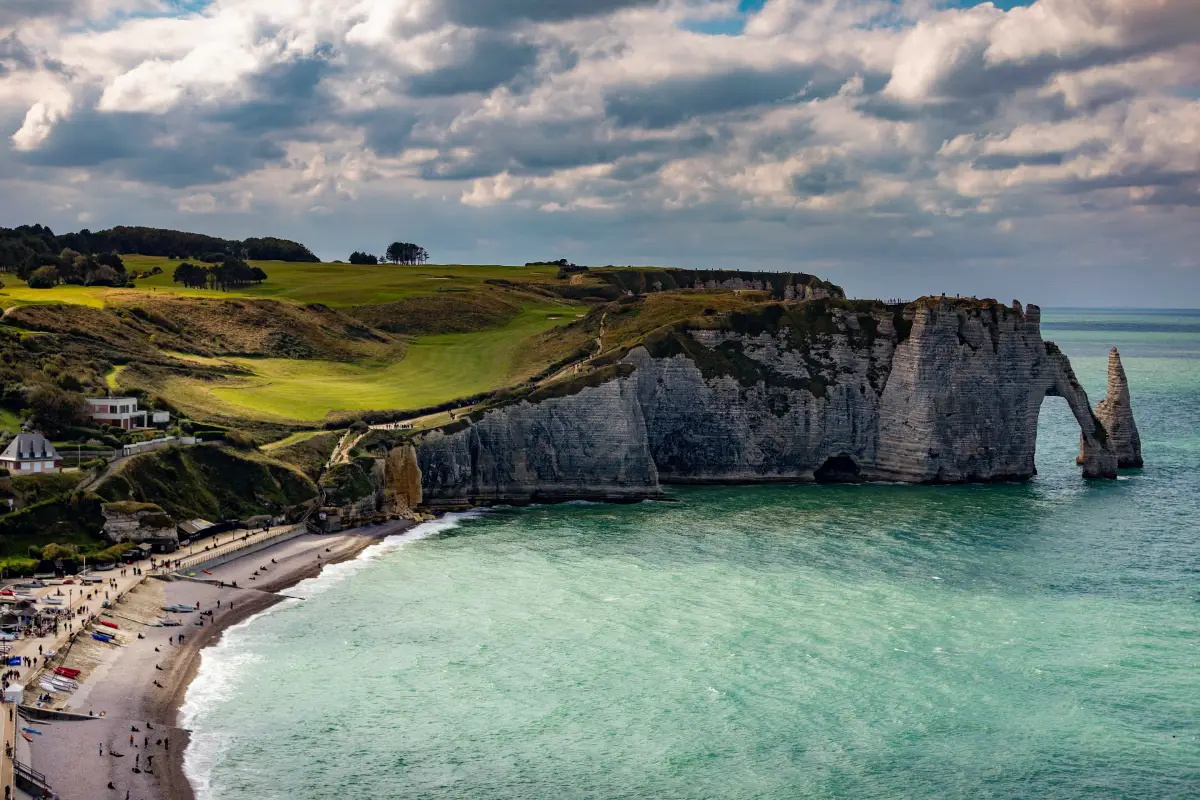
x: 118, y: 683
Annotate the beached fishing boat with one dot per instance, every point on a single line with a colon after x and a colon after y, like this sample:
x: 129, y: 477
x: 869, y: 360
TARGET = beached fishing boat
x: 67, y: 672
x: 108, y: 624
x: 169, y: 623
x: 178, y: 608
x: 54, y: 601
x: 28, y: 738
x: 34, y: 731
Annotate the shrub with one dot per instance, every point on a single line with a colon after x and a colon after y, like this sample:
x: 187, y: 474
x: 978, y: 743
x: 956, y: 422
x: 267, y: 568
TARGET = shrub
x: 240, y: 439
x: 55, y: 551
x: 43, y: 278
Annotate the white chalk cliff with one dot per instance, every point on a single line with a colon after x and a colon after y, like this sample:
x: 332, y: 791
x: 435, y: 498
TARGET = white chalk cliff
x: 938, y: 391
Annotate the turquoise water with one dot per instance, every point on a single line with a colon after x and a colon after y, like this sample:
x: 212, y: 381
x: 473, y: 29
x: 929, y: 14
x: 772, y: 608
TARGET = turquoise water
x: 1020, y: 641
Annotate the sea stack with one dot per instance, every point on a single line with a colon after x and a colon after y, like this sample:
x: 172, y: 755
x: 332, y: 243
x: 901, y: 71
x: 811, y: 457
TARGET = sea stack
x: 1117, y: 415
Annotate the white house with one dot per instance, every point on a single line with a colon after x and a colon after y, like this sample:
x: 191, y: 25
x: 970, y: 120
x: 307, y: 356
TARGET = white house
x: 119, y: 411
x: 30, y: 453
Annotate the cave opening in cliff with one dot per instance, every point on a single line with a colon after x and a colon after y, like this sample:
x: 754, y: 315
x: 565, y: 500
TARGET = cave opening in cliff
x: 838, y: 469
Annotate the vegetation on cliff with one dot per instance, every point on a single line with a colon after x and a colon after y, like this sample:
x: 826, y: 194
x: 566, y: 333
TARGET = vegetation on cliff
x: 209, y: 482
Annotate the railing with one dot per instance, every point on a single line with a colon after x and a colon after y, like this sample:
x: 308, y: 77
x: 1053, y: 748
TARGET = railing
x: 30, y: 776
x: 203, y: 557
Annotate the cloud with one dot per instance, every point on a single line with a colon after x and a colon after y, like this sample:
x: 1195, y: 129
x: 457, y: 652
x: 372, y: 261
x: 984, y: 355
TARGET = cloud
x: 873, y: 126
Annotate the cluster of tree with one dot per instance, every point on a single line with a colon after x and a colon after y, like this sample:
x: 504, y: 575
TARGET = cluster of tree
x: 406, y: 253
x: 561, y: 262
x: 231, y: 273
x: 396, y: 253
x: 75, y: 268
x: 26, y: 248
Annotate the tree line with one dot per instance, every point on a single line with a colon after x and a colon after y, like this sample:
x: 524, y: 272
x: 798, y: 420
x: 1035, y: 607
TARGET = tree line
x: 71, y: 267
x: 26, y: 248
x: 231, y: 273
x: 396, y: 253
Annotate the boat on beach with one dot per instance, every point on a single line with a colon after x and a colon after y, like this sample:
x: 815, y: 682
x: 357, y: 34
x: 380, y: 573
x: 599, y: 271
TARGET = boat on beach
x: 178, y: 608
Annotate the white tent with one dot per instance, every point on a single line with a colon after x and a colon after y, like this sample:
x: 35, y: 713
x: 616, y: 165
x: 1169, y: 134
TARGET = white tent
x: 14, y: 693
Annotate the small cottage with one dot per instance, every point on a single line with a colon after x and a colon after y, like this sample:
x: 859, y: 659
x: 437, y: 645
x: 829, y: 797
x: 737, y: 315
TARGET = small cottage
x: 29, y: 454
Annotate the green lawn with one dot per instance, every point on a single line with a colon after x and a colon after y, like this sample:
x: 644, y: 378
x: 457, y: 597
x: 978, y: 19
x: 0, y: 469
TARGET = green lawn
x: 331, y: 284
x: 295, y: 438
x: 434, y: 370
x: 9, y: 422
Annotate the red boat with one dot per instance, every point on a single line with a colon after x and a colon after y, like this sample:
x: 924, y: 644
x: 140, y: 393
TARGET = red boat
x: 109, y: 624
x: 67, y: 672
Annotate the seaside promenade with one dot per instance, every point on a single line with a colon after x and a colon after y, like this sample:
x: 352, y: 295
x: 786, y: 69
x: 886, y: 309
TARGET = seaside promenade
x: 76, y: 597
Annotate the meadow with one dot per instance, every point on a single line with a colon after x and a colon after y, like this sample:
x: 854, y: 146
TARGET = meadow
x: 434, y: 369
x: 337, y: 285
x: 413, y: 371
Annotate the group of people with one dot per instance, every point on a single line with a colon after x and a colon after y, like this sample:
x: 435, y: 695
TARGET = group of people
x: 138, y: 768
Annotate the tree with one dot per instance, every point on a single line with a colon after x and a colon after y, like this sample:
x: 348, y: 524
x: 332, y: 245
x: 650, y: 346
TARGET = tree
x: 44, y: 278
x: 406, y: 253
x: 190, y: 275
x: 363, y: 258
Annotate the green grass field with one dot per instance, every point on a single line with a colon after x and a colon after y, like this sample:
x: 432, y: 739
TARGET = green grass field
x: 288, y: 441
x: 435, y: 369
x: 331, y: 284
x: 410, y: 373
x: 9, y: 423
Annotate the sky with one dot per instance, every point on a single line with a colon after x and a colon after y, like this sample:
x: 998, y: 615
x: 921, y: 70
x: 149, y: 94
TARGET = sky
x: 1047, y: 151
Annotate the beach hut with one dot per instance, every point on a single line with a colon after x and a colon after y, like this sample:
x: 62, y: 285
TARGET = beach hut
x: 14, y: 693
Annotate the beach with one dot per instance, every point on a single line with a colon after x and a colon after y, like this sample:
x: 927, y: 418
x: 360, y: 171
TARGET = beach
x: 126, y: 707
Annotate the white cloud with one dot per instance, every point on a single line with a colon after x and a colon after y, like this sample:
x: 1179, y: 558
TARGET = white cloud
x: 200, y: 203
x: 821, y: 111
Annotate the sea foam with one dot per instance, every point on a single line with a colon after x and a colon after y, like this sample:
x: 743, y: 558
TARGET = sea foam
x: 220, y: 664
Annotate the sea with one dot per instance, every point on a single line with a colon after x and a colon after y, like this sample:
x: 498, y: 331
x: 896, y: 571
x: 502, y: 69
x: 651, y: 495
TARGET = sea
x: 1035, y: 640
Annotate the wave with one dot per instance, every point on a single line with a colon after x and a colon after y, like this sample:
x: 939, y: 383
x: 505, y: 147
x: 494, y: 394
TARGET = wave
x: 220, y: 664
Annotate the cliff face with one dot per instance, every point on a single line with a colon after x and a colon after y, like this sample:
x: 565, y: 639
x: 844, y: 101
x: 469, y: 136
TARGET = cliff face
x: 589, y: 445
x: 940, y: 392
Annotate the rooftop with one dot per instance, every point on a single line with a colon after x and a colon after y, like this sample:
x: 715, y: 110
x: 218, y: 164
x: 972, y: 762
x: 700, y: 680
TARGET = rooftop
x: 29, y: 447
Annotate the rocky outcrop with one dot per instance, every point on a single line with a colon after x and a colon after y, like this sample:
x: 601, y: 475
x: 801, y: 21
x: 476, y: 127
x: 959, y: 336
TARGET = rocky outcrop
x: 1116, y: 414
x: 128, y: 521
x: 939, y: 391
x: 402, y: 480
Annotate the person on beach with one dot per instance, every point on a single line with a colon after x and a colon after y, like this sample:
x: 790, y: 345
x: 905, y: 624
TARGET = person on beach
x: 102, y: 749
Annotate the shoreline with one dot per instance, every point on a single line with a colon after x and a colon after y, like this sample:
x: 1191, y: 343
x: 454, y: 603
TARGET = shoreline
x: 186, y: 665
x: 143, y: 683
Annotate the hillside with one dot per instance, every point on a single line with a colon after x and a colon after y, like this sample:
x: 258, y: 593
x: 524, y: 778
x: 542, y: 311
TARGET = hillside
x: 322, y: 344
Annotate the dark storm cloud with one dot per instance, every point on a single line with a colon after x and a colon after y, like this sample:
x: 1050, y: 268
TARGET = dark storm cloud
x: 822, y: 180
x: 288, y: 96
x: 14, y: 56
x: 669, y: 103
x: 541, y: 149
x: 501, y: 13
x: 1000, y: 161
x: 387, y: 131
x: 486, y: 62
x: 14, y: 12
x: 176, y: 152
